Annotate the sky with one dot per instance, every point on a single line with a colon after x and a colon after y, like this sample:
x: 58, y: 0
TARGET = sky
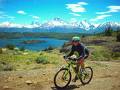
x: 26, y: 11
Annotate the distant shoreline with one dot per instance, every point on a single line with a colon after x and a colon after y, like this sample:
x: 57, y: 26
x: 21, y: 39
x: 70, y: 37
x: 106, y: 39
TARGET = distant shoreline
x: 61, y: 36
x: 33, y: 41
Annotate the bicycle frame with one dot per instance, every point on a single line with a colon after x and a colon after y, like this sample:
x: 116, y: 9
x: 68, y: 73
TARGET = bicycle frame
x: 70, y: 64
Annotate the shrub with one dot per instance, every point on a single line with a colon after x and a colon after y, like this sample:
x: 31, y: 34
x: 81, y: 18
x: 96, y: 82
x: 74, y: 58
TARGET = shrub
x: 42, y: 60
x: 118, y: 37
x: 22, y: 48
x: 83, y: 36
x: 1, y: 51
x: 108, y: 31
x: 10, y: 46
x: 116, y: 54
x: 49, y: 48
x: 8, y: 67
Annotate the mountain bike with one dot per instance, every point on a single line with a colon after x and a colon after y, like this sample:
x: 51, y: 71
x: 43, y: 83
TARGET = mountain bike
x: 63, y: 77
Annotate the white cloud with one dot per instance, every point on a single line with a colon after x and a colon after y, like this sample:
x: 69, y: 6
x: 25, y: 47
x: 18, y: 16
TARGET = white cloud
x: 8, y: 24
x: 111, y: 9
x: 75, y: 14
x: 77, y: 7
x: 100, y: 17
x: 3, y: 15
x: 11, y: 17
x: 36, y: 17
x: 21, y: 12
x: 114, y: 8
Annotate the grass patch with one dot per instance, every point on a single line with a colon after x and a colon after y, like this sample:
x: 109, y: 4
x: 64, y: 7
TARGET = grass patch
x: 99, y: 53
x: 42, y: 60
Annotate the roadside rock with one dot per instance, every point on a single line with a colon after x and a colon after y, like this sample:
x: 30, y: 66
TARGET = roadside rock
x: 5, y: 87
x: 28, y: 82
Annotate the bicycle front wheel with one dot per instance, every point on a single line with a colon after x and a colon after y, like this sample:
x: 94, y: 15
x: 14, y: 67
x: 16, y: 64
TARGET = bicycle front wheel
x: 86, y: 75
x: 62, y: 78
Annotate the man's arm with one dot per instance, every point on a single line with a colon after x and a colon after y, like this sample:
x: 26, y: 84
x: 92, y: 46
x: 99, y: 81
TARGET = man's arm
x: 82, y: 54
x: 71, y: 52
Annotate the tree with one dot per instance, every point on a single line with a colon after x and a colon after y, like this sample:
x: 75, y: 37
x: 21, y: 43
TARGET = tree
x: 108, y: 31
x: 118, y: 37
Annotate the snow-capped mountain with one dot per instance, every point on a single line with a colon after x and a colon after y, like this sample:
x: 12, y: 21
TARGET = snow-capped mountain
x: 86, y: 25
x: 56, y: 22
x: 114, y: 25
x: 104, y: 26
x: 59, y: 25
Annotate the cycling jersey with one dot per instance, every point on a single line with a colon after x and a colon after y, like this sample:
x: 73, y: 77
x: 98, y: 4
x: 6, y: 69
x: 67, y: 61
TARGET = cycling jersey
x: 79, y: 48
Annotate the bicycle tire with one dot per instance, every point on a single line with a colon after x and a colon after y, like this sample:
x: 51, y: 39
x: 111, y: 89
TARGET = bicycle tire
x: 90, y: 76
x: 57, y: 86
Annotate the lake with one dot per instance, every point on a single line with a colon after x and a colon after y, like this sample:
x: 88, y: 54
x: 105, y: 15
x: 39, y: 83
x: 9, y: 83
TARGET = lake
x: 33, y: 46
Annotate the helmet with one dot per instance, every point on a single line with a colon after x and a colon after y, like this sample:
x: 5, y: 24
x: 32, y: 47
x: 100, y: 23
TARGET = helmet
x: 76, y: 38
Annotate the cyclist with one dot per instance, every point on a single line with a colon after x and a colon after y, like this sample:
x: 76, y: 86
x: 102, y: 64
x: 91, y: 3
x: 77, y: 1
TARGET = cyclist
x: 83, y: 52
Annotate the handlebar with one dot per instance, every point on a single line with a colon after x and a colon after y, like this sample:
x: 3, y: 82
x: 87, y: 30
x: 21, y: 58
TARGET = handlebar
x: 71, y: 59
x: 74, y: 59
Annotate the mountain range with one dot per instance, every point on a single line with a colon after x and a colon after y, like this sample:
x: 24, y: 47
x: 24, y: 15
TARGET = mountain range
x: 59, y: 25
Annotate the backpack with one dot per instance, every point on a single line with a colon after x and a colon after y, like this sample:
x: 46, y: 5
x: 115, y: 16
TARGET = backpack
x: 86, y: 51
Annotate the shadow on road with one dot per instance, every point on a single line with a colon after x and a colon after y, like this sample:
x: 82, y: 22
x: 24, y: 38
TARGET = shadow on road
x: 70, y: 87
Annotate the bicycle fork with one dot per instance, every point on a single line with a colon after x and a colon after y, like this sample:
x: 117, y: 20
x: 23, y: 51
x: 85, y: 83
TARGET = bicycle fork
x: 66, y: 72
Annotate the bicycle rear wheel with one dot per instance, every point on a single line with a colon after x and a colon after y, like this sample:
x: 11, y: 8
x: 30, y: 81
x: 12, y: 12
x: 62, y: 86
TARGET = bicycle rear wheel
x: 86, y: 75
x: 62, y: 78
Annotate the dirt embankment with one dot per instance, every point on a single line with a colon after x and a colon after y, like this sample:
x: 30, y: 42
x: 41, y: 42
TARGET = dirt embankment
x: 106, y: 77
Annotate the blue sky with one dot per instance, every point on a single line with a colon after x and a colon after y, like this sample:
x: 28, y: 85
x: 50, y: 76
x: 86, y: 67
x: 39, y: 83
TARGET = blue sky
x: 26, y: 11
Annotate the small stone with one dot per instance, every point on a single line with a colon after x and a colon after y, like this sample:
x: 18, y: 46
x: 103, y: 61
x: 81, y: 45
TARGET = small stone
x: 9, y: 79
x: 5, y: 87
x: 20, y: 77
x: 25, y: 53
x: 43, y: 73
x: 28, y: 82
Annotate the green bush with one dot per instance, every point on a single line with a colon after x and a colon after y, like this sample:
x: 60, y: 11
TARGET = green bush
x: 118, y: 37
x: 6, y: 66
x: 22, y: 48
x: 116, y: 54
x: 108, y: 31
x: 10, y: 46
x: 1, y: 51
x: 42, y: 60
x: 49, y: 48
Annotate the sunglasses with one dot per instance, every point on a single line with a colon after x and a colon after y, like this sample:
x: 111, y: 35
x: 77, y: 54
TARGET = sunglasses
x: 75, y: 41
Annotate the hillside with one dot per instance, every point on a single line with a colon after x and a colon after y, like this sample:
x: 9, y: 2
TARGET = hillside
x: 106, y: 77
x: 19, y: 66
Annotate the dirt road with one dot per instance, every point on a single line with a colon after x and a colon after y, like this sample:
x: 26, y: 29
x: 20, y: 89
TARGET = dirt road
x: 106, y: 77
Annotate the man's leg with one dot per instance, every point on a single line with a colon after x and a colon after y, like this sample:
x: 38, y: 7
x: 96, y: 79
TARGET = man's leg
x: 79, y: 63
x: 77, y: 71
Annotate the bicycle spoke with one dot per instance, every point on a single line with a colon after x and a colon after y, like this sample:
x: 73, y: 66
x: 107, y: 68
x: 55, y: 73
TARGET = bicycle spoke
x: 86, y: 75
x: 62, y: 78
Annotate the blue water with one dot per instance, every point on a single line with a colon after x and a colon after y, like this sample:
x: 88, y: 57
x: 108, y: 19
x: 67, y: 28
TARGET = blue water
x: 35, y: 46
